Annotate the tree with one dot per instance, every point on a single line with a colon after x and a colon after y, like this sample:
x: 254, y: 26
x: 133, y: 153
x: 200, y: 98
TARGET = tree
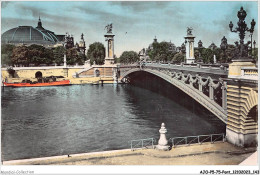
x: 207, y: 55
x: 58, y: 54
x: 129, y: 57
x: 96, y: 52
x: 81, y: 59
x: 178, y: 58
x: 117, y: 60
x: 40, y: 55
x: 230, y: 53
x: 71, y: 56
x: 20, y: 56
x: 161, y: 52
x: 154, y: 51
x: 255, y: 54
x: 6, y: 54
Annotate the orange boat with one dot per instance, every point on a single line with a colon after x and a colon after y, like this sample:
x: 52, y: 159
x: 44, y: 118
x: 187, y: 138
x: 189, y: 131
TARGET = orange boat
x: 38, y: 84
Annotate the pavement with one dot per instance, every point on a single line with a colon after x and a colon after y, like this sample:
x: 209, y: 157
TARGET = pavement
x: 221, y: 153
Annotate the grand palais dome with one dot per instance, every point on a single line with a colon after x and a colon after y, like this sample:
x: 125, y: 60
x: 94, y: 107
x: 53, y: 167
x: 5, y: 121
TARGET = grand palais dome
x: 31, y: 35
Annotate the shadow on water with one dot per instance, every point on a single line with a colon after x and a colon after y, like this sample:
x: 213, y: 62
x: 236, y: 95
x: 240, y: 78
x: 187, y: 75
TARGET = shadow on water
x: 49, y: 121
x: 183, y: 101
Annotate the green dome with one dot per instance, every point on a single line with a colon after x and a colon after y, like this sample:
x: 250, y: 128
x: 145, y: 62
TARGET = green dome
x: 30, y: 35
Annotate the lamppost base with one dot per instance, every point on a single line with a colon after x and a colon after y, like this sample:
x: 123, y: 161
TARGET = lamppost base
x: 236, y: 65
x: 163, y: 147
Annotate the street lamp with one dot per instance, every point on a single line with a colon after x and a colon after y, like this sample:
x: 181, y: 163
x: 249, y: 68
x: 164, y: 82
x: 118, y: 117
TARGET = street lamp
x: 241, y: 29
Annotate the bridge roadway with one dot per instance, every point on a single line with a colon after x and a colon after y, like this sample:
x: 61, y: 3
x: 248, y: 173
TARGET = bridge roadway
x: 204, y: 83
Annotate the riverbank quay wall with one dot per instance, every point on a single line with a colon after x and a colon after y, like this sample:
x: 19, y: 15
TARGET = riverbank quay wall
x: 76, y: 74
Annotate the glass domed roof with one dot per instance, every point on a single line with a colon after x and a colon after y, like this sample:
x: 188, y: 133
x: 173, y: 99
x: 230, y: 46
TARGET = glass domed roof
x: 30, y: 35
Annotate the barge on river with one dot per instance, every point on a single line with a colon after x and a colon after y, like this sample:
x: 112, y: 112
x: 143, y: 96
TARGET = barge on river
x: 39, y: 83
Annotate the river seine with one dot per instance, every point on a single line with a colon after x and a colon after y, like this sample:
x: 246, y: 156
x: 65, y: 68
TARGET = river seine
x: 48, y: 121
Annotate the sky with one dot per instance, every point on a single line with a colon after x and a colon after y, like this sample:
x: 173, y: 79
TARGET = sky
x: 135, y: 23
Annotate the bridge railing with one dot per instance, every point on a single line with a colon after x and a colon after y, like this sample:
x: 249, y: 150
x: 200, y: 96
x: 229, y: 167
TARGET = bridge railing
x: 222, y: 67
x: 196, y: 139
x: 142, y: 143
x: 249, y: 72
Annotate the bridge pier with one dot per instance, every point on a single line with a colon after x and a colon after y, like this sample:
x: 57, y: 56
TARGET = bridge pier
x: 242, y: 103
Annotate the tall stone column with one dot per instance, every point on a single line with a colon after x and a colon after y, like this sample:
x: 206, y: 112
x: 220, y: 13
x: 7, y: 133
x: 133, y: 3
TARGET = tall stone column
x: 189, y: 41
x: 109, y: 38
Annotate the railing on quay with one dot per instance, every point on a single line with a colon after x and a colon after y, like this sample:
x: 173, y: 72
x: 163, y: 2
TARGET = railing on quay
x: 142, y: 143
x: 197, y: 139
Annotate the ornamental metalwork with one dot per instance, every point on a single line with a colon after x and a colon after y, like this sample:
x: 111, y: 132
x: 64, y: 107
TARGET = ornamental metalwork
x: 241, y: 29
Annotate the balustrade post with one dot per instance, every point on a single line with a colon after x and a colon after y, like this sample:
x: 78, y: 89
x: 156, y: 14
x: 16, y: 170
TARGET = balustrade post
x: 224, y: 95
x: 200, y: 85
x: 211, y: 91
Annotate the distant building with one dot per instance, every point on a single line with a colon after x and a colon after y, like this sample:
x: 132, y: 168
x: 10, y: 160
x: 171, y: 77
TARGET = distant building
x: 81, y: 46
x: 32, y: 35
x: 69, y: 41
x: 181, y: 49
x: 212, y: 46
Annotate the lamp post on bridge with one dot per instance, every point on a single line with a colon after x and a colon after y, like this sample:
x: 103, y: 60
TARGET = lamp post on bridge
x: 241, y: 58
x: 241, y: 29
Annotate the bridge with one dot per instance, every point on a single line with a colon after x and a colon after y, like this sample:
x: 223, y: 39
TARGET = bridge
x: 204, y: 83
x: 234, y: 100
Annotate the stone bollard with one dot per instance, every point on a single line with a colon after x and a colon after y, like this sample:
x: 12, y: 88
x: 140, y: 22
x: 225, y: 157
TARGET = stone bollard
x: 163, y: 142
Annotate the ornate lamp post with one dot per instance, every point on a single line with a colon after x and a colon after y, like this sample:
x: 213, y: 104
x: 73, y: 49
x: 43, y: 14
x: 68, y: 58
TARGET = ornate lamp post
x: 224, y: 45
x: 241, y: 29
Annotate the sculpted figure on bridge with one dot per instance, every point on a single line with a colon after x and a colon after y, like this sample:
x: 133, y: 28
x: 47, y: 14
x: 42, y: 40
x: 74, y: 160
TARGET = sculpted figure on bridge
x: 109, y: 28
x: 189, y: 30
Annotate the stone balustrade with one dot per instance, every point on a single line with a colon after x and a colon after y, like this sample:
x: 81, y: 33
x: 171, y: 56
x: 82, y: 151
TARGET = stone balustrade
x: 249, y: 72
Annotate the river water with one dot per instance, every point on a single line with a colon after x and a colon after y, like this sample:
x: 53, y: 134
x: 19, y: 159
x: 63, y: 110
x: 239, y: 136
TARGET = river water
x: 48, y: 121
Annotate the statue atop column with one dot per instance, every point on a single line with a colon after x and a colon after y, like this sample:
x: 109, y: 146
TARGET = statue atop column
x: 189, y: 30
x: 109, y: 38
x: 189, y: 42
x: 109, y: 28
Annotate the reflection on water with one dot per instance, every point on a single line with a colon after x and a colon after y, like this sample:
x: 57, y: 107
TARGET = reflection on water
x: 47, y: 121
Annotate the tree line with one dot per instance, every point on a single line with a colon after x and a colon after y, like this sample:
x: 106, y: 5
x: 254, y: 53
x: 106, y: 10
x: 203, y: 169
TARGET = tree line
x: 161, y: 52
x: 39, y: 55
x: 35, y: 55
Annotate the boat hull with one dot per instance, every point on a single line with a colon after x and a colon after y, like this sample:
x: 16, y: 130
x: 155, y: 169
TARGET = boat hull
x: 55, y: 83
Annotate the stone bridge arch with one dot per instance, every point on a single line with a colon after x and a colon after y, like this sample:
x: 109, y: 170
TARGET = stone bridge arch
x: 186, y: 82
